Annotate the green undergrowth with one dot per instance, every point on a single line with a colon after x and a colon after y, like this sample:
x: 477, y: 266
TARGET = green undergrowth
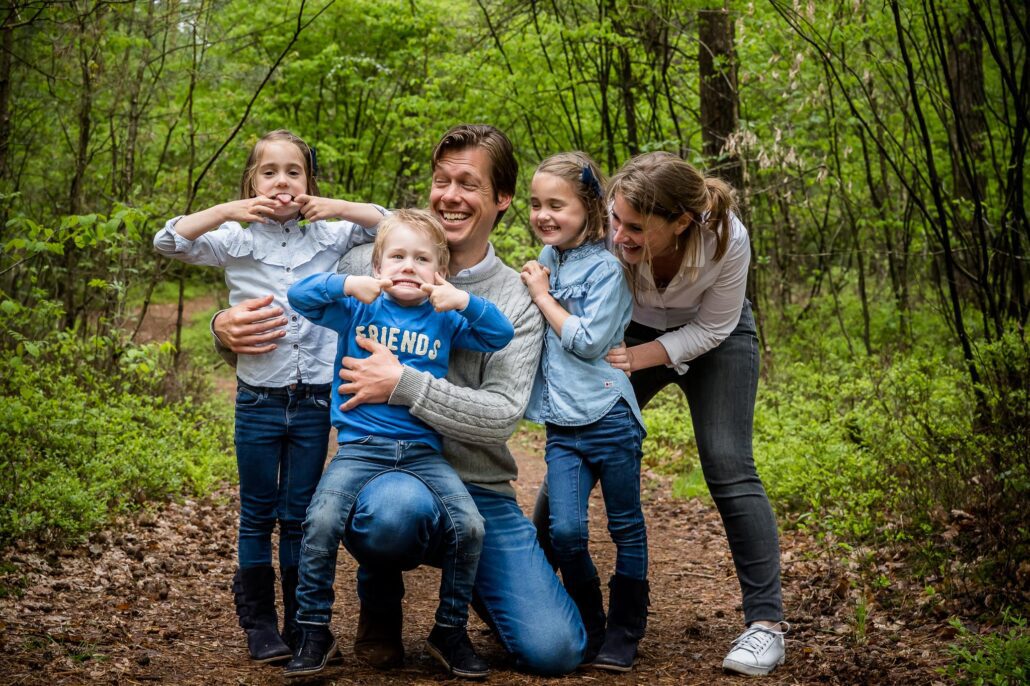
x: 999, y: 657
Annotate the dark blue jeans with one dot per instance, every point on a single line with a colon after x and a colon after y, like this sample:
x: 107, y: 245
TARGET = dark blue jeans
x: 282, y: 437
x: 356, y: 466
x: 578, y: 457
x: 397, y: 525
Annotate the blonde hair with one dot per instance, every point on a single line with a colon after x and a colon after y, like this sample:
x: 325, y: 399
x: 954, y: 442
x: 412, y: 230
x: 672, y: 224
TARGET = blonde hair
x: 662, y: 185
x: 250, y: 170
x: 419, y: 221
x: 583, y: 174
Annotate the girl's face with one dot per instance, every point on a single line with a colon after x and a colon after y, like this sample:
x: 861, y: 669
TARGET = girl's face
x: 280, y: 175
x: 632, y: 232
x: 556, y: 213
x: 409, y: 259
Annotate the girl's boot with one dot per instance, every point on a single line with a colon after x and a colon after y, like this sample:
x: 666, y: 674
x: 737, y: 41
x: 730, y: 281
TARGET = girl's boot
x: 627, y: 620
x: 291, y: 630
x: 587, y: 596
x: 254, y: 593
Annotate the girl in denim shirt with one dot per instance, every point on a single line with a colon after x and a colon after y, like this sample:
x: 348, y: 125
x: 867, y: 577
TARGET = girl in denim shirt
x: 282, y: 400
x: 594, y: 427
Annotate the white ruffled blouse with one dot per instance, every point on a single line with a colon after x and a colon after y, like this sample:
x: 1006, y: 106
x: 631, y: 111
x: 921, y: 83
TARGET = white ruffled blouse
x: 266, y: 259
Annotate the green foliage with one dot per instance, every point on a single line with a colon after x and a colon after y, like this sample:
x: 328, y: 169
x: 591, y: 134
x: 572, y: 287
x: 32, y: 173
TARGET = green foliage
x: 998, y: 658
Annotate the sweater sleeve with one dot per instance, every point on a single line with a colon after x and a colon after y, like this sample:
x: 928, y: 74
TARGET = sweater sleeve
x: 490, y: 412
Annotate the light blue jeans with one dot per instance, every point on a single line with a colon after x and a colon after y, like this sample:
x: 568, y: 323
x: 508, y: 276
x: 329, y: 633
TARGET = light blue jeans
x: 578, y: 457
x: 397, y: 525
x: 357, y: 465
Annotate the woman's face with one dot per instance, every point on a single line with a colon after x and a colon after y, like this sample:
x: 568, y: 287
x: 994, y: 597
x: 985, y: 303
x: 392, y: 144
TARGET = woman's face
x: 632, y: 232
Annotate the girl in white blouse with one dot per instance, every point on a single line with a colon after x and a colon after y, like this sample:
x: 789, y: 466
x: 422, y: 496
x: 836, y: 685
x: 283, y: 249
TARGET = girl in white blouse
x: 282, y: 400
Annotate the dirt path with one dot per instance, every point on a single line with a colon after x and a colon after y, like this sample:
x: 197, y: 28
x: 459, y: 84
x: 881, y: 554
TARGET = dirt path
x: 148, y: 601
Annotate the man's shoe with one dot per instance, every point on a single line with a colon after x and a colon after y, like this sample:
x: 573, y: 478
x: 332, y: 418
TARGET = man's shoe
x: 317, y: 647
x: 378, y: 641
x: 757, y: 651
x: 451, y: 647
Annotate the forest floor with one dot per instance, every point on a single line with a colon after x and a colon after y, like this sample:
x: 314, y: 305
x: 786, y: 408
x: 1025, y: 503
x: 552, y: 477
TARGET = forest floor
x: 148, y: 600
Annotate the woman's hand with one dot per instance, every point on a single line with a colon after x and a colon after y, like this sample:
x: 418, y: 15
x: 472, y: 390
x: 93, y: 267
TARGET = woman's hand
x: 537, y: 279
x: 444, y: 296
x: 620, y: 357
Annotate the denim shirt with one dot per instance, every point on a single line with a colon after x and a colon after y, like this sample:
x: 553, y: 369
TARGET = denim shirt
x: 268, y: 258
x: 574, y: 384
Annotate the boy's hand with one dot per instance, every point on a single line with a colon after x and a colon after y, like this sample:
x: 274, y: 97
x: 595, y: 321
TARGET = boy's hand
x: 444, y: 296
x: 365, y: 288
x: 314, y: 208
x: 537, y: 279
x: 256, y: 209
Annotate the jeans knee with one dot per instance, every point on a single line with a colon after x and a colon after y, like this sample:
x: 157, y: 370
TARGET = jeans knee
x: 567, y: 539
x: 553, y: 650
x: 323, y: 527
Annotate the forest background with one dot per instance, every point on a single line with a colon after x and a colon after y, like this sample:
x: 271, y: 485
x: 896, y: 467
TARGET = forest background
x: 880, y: 153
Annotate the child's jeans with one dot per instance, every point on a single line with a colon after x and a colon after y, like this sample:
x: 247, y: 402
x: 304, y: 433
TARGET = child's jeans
x: 282, y: 436
x: 356, y: 464
x: 578, y: 457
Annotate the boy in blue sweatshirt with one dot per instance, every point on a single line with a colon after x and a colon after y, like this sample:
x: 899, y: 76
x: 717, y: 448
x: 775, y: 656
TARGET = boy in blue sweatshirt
x: 411, y: 309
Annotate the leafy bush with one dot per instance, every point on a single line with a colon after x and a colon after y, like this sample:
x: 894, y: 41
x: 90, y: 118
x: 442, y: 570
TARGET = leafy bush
x: 998, y: 658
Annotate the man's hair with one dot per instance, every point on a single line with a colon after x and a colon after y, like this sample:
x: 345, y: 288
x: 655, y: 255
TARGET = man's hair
x: 250, y: 170
x: 419, y: 221
x: 504, y: 168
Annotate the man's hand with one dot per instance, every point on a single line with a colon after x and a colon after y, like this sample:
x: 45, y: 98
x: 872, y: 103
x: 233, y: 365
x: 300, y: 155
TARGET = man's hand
x: 537, y: 279
x: 365, y: 288
x: 371, y: 379
x: 620, y: 357
x: 443, y: 296
x: 250, y: 327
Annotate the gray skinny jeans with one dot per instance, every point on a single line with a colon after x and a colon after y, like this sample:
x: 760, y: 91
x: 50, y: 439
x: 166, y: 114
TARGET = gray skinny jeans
x: 720, y: 387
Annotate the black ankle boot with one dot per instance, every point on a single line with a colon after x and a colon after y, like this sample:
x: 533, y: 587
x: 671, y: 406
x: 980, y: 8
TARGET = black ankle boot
x: 451, y: 647
x: 587, y: 596
x: 317, y: 647
x: 627, y: 620
x: 291, y: 630
x: 254, y: 594
x: 378, y: 640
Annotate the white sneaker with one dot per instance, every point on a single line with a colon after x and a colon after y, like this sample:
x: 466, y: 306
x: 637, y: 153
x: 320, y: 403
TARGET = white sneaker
x: 757, y: 651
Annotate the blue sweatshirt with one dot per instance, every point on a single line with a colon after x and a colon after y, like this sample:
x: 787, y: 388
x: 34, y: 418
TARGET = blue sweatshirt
x: 419, y: 336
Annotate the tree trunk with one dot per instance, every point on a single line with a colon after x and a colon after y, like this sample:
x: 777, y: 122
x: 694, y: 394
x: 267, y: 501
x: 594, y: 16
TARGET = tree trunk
x: 717, y: 63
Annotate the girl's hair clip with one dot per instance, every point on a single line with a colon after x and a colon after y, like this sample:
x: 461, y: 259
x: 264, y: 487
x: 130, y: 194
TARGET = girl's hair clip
x: 590, y: 181
x: 314, y: 160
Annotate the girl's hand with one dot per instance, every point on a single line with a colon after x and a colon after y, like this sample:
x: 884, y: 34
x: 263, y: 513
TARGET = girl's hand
x: 444, y: 296
x: 314, y: 208
x: 537, y: 279
x: 256, y: 209
x: 365, y: 288
x: 620, y: 357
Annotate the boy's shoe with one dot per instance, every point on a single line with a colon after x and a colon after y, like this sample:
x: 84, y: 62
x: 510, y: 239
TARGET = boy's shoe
x: 451, y: 647
x: 317, y: 647
x: 757, y: 651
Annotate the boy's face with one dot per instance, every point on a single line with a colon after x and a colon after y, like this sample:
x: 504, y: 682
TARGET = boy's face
x: 280, y: 176
x: 409, y: 259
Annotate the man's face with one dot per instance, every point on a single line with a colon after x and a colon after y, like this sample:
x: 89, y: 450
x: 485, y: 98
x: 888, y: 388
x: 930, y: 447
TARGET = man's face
x: 462, y: 198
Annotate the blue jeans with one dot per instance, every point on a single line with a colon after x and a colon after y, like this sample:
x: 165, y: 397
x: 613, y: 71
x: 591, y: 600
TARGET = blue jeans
x: 282, y: 436
x: 396, y: 525
x: 608, y: 451
x: 357, y: 465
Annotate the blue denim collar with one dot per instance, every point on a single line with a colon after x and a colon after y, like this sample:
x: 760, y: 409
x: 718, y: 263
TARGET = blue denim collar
x: 580, y: 252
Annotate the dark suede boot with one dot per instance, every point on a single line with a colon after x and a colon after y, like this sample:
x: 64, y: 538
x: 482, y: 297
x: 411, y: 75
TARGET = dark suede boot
x: 451, y: 647
x: 254, y: 594
x: 317, y: 648
x: 378, y: 640
x: 291, y: 630
x: 587, y: 596
x: 627, y: 620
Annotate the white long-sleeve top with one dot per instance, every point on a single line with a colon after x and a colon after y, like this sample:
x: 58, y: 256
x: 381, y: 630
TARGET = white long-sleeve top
x: 268, y: 258
x: 697, y: 315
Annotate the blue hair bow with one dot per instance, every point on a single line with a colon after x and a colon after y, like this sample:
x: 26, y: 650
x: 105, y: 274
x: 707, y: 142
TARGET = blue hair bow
x: 590, y: 181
